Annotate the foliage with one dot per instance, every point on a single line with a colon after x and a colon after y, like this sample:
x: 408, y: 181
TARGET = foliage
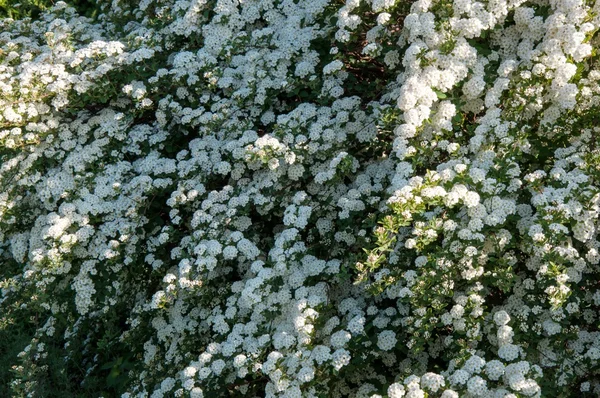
x: 305, y: 198
x: 32, y: 8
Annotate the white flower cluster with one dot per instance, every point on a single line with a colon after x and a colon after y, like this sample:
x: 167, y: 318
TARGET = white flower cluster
x: 189, y: 189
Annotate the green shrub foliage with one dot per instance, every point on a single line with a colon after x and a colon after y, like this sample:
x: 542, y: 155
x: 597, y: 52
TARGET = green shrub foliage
x: 300, y: 198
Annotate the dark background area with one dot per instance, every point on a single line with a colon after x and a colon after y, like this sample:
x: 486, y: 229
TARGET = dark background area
x: 32, y: 8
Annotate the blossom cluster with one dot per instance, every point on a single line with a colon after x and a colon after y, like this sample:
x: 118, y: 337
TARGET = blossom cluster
x: 302, y: 198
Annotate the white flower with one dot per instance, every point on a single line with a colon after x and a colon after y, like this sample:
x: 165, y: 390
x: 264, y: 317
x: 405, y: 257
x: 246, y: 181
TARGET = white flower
x: 340, y: 358
x: 508, y: 352
x: 501, y: 318
x: 459, y: 377
x: 396, y: 390
x: 477, y: 386
x: 332, y: 67
x: 471, y: 199
x: 386, y: 340
x: 432, y: 381
x: 585, y: 386
x: 340, y: 338
x: 410, y: 243
x: 494, y: 369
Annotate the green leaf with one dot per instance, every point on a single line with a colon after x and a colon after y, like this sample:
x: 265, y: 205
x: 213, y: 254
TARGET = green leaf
x: 440, y: 94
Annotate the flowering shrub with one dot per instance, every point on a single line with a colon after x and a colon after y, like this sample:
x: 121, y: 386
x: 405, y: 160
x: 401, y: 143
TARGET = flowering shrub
x: 301, y: 198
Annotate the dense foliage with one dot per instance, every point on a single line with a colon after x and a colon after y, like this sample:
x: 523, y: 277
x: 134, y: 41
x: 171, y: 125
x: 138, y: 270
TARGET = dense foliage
x: 300, y: 198
x: 33, y: 8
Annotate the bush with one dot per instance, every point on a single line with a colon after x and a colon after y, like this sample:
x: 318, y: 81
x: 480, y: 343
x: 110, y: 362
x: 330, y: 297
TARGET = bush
x: 300, y: 198
x: 33, y: 8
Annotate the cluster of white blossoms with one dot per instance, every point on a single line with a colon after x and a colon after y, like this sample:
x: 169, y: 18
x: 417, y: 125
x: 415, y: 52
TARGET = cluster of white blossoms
x: 302, y: 198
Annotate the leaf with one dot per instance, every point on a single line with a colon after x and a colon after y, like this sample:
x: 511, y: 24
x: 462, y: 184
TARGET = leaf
x: 112, y: 378
x: 440, y: 94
